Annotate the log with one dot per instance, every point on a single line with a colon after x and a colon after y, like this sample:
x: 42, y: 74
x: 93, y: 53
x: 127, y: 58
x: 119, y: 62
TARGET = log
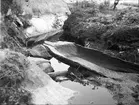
x: 75, y: 55
x: 56, y: 74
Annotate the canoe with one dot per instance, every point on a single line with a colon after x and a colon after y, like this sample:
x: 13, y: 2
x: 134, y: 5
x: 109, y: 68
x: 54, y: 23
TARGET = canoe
x: 76, y: 55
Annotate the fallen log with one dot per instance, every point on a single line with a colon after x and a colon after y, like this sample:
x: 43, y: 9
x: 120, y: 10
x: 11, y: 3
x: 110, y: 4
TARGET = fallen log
x: 76, y: 55
x: 56, y: 74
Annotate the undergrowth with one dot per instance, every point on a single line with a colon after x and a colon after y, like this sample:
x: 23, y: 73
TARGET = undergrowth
x: 104, y: 29
x: 12, y: 73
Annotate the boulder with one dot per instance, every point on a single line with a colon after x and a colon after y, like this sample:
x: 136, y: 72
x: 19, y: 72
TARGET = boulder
x: 44, y: 64
x: 28, y: 75
x: 46, y: 15
x: 44, y: 90
x: 42, y: 7
x: 39, y: 51
x: 30, y: 18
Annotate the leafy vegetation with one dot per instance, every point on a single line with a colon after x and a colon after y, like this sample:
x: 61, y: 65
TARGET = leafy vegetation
x: 12, y: 73
x: 98, y: 26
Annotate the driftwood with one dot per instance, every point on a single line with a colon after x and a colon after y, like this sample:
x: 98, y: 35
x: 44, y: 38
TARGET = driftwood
x: 56, y: 74
x: 75, y: 55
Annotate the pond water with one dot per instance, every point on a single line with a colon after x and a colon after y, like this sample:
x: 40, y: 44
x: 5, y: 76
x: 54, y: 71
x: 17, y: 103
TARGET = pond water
x: 58, y: 66
x: 88, y: 96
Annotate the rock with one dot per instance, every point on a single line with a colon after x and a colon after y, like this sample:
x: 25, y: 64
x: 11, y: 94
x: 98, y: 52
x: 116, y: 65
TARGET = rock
x: 40, y: 25
x: 46, y: 15
x: 44, y: 24
x: 43, y: 89
x: 33, y: 79
x: 45, y: 65
x: 28, y: 18
x: 50, y: 36
x: 42, y: 7
x: 39, y: 51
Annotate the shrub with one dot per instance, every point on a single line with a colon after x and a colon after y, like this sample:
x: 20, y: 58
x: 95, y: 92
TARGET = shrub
x: 104, y: 6
x: 14, y: 96
x: 131, y: 18
x: 12, y: 73
x: 13, y: 68
x: 85, y: 6
x: 127, y: 17
x: 5, y: 4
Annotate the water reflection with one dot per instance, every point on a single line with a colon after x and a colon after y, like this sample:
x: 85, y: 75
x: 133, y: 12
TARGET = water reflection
x: 88, y: 95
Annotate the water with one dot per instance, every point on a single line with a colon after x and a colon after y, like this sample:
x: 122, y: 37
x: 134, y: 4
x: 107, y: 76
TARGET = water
x: 88, y: 96
x: 58, y: 66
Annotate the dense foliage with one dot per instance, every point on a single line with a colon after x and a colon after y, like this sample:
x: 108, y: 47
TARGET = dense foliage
x: 12, y: 73
x: 102, y: 28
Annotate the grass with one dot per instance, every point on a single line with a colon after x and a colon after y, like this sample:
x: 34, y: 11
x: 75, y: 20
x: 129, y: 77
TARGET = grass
x: 12, y: 73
